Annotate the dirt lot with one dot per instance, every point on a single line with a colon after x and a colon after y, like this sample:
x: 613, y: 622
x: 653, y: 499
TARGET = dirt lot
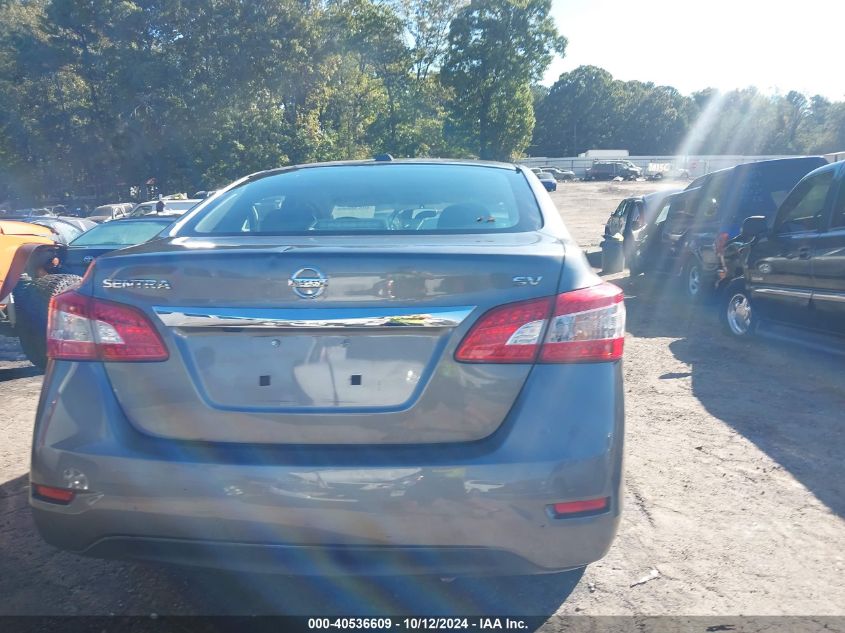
x: 735, y: 491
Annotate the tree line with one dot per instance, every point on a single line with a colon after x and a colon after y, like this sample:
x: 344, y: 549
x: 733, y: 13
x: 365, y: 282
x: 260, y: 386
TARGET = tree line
x: 588, y: 108
x: 97, y: 96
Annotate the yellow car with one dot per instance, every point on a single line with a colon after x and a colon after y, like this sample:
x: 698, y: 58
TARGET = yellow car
x: 29, y: 259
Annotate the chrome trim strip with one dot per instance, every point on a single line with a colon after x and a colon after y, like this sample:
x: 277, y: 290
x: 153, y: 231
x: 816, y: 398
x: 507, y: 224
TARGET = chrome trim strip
x: 315, y: 318
x: 836, y: 297
x: 782, y: 292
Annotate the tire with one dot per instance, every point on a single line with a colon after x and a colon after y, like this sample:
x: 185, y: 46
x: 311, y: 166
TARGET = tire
x: 695, y: 281
x: 32, y: 298
x: 735, y: 311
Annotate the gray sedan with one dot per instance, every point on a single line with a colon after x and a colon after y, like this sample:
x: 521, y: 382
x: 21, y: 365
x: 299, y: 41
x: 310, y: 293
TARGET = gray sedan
x: 388, y: 367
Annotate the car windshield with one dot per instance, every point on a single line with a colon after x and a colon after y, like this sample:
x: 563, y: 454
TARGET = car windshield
x: 120, y: 233
x: 65, y: 231
x: 347, y: 199
x: 144, y: 209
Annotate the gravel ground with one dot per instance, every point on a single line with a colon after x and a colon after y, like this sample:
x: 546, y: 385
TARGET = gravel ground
x: 734, y: 491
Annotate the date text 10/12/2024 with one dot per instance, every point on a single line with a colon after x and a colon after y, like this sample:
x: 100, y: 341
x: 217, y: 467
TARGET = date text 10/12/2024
x: 419, y: 623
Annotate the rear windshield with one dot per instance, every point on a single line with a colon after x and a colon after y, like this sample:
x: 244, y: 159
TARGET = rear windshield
x: 347, y: 199
x: 734, y: 194
x: 760, y: 189
x: 120, y: 233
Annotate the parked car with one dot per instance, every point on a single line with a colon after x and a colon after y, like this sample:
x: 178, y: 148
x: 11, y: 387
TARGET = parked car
x: 633, y: 219
x: 171, y: 207
x: 29, y: 278
x: 108, y: 212
x: 104, y: 238
x: 635, y: 212
x: 65, y: 228
x: 23, y: 215
x: 792, y: 269
x: 561, y: 175
x: 548, y: 181
x: 290, y: 377
x: 610, y: 169
x: 689, y: 242
x: 202, y: 195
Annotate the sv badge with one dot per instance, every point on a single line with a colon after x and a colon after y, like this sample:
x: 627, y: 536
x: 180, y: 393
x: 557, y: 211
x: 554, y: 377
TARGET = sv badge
x: 527, y: 280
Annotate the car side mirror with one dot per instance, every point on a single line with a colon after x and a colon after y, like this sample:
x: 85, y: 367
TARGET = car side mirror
x: 754, y: 226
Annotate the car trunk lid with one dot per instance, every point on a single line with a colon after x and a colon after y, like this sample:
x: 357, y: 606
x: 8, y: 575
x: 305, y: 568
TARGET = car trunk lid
x: 341, y: 340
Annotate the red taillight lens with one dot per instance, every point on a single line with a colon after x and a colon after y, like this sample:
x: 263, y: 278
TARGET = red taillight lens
x: 507, y: 334
x: 584, y: 325
x: 85, y: 328
x: 55, y: 495
x: 587, y: 506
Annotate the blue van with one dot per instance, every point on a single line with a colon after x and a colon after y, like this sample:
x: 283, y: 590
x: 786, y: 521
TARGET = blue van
x: 689, y: 240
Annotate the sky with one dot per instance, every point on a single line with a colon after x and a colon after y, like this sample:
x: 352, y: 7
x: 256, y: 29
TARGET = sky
x: 776, y: 46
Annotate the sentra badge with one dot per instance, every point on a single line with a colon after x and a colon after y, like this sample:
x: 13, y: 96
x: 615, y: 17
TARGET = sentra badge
x: 139, y: 284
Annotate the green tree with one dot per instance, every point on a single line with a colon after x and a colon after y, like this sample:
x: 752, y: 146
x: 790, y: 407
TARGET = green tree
x: 497, y: 49
x: 577, y: 114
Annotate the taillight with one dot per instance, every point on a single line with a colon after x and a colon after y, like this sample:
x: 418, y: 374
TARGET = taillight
x: 85, y: 328
x: 507, y: 334
x: 721, y: 242
x: 585, y: 325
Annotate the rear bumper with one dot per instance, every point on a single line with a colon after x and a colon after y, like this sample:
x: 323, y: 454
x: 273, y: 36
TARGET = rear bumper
x: 576, y: 546
x: 475, y: 508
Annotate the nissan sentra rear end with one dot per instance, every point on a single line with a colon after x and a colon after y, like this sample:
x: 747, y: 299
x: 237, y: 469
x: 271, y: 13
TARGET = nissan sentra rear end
x: 396, y: 367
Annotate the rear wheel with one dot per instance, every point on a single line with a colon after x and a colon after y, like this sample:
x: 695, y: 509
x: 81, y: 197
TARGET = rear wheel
x: 695, y: 281
x: 736, y: 313
x: 32, y: 298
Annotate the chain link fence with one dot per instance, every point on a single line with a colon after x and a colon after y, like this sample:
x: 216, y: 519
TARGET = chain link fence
x: 695, y: 166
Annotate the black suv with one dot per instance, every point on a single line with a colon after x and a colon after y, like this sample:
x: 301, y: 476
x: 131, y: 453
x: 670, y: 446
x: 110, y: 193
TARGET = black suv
x: 687, y: 240
x: 610, y: 169
x: 794, y: 271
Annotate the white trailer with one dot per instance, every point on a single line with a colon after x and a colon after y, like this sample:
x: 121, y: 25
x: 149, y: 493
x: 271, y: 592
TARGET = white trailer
x: 604, y: 153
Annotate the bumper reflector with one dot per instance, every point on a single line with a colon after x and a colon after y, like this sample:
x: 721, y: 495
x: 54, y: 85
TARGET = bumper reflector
x: 574, y: 508
x: 53, y: 495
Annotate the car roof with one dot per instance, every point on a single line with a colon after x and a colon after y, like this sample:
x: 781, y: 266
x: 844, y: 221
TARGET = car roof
x: 143, y: 218
x: 760, y: 164
x: 67, y: 219
x: 169, y: 200
x: 12, y: 227
x: 824, y: 168
x: 661, y: 194
x: 386, y: 163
